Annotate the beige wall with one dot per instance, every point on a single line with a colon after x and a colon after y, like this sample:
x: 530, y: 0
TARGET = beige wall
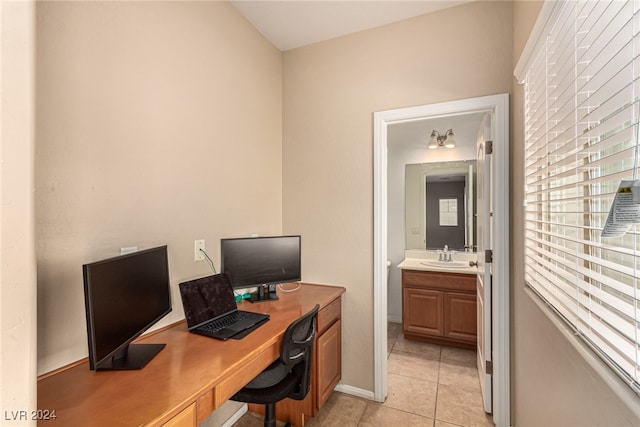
x: 331, y: 90
x: 157, y: 123
x: 554, y: 384
x: 17, y: 255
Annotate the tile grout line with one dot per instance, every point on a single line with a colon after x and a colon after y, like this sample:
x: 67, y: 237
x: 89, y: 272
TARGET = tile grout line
x: 435, y: 408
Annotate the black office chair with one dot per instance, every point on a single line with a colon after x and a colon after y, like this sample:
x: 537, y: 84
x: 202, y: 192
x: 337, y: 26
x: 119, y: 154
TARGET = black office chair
x: 290, y: 375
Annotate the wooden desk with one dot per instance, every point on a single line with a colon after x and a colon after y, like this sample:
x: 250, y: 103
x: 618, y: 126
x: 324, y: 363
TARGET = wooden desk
x: 187, y: 380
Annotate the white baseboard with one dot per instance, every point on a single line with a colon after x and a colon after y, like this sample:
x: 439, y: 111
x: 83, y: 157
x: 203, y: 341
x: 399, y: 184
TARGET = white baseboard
x: 394, y: 319
x: 354, y: 391
x: 236, y: 416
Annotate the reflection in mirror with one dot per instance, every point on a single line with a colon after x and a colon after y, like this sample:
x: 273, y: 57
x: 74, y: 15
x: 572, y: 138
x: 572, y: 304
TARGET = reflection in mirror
x: 440, y: 205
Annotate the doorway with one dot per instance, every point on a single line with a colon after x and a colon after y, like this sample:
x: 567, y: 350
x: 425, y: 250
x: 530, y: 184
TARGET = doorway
x: 497, y: 106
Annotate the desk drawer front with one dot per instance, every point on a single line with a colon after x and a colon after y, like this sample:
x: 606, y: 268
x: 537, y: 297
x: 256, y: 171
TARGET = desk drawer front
x: 213, y: 399
x: 328, y: 315
x: 186, y: 418
x: 246, y: 373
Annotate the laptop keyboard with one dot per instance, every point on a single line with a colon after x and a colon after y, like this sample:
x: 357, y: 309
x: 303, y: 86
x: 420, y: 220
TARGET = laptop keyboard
x: 237, y: 318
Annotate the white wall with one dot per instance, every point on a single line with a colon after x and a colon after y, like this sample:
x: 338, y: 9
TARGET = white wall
x: 17, y: 254
x: 157, y: 123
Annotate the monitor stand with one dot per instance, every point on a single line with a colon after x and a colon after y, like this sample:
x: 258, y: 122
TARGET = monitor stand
x: 265, y: 293
x: 134, y: 356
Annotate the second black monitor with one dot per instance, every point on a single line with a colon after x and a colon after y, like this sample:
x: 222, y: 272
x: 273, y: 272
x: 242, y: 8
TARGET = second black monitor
x: 260, y: 261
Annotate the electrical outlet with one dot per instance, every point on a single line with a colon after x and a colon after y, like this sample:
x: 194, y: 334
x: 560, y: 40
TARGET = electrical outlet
x: 197, y: 254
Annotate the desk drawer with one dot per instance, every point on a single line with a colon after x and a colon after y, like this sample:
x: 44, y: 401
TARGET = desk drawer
x: 186, y: 418
x: 328, y: 315
x: 244, y: 374
x: 212, y: 399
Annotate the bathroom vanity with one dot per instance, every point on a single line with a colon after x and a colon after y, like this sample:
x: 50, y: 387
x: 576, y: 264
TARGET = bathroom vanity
x: 439, y: 303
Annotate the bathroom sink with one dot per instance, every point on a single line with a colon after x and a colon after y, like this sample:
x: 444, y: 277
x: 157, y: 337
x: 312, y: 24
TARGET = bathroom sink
x: 445, y: 264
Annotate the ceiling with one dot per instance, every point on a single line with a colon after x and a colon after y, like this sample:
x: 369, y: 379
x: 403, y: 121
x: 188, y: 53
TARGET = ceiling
x: 294, y: 23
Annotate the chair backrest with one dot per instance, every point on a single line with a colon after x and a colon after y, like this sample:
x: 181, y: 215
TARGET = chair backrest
x: 297, y: 348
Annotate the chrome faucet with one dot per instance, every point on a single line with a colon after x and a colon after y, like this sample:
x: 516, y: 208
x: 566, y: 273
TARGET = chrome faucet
x: 445, y: 255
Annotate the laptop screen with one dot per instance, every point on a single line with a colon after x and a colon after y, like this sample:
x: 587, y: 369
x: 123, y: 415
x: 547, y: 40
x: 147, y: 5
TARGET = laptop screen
x: 206, y: 299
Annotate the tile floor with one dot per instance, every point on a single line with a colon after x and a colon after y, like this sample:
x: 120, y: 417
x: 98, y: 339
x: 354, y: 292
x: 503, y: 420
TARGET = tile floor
x: 428, y: 385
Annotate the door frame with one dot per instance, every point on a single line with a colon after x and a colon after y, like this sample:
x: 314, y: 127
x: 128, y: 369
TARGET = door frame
x: 498, y: 105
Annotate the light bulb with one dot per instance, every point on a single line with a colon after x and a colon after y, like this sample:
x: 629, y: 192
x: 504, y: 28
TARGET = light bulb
x: 433, y: 144
x: 450, y: 142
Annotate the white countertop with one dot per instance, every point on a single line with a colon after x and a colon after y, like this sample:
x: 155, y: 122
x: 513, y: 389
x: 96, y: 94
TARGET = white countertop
x: 414, y: 260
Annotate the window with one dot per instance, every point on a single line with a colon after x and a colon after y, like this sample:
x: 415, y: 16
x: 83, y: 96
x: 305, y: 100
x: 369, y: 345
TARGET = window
x: 582, y: 89
x: 448, y: 209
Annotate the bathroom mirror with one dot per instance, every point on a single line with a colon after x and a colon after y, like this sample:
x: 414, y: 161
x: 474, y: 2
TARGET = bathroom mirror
x: 440, y: 205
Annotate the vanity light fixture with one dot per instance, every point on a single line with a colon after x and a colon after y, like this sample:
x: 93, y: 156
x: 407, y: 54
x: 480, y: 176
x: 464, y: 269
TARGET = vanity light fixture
x: 447, y: 140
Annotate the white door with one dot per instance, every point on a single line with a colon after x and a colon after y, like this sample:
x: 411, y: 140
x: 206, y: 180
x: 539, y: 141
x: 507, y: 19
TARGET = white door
x: 485, y: 227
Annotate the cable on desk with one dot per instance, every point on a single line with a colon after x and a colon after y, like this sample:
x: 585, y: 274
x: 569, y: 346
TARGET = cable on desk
x: 280, y: 285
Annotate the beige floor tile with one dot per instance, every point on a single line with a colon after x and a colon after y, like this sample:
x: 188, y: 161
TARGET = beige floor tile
x: 461, y: 406
x: 414, y: 365
x: 411, y: 395
x: 376, y: 415
x: 410, y: 346
x: 339, y: 410
x: 456, y: 375
x: 459, y: 356
x: 394, y: 329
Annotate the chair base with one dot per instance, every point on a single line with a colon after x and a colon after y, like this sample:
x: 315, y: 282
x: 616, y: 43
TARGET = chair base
x: 270, y: 416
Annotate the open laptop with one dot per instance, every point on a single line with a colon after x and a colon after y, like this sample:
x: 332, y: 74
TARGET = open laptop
x: 210, y: 309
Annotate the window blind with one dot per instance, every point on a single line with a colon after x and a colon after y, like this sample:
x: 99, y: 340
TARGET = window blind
x: 581, y: 139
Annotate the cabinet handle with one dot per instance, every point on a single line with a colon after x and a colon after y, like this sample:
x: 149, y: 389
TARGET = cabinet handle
x: 473, y: 263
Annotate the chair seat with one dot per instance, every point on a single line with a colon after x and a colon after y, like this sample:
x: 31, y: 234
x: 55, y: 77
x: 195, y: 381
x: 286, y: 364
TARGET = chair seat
x: 272, y: 375
x: 270, y: 394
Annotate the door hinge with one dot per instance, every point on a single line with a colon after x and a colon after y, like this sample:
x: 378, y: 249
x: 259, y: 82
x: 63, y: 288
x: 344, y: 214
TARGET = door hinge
x: 489, y: 367
x: 488, y: 147
x: 488, y: 256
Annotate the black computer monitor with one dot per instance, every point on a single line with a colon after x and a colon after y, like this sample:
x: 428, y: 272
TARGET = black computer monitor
x: 124, y: 296
x: 261, y: 261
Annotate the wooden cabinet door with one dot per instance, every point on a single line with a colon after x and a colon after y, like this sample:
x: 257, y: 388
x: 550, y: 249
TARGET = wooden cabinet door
x: 460, y: 317
x: 422, y: 311
x: 329, y: 362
